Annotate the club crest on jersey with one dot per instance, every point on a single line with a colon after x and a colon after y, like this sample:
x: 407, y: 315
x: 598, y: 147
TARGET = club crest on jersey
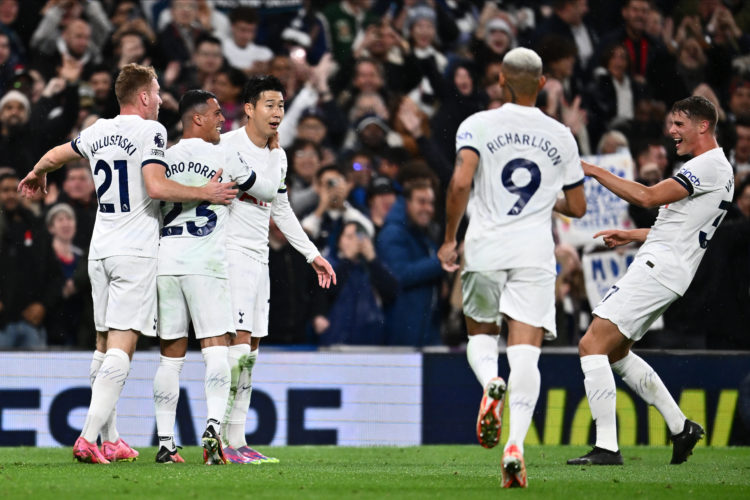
x: 159, y: 140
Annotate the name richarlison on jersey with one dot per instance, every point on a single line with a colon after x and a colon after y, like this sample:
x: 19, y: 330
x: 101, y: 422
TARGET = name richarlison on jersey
x: 533, y: 141
x: 114, y: 140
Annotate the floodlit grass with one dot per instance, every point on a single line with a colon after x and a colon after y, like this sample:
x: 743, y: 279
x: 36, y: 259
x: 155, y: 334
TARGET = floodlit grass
x: 452, y: 472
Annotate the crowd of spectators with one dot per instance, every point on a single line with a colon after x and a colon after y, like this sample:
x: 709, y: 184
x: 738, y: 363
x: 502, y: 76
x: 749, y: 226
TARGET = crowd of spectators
x: 375, y: 91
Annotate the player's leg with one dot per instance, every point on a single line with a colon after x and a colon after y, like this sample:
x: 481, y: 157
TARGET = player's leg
x: 124, y: 292
x: 481, y: 301
x: 174, y: 321
x: 109, y: 431
x: 217, y: 383
x: 601, y: 338
x: 167, y: 393
x: 644, y: 381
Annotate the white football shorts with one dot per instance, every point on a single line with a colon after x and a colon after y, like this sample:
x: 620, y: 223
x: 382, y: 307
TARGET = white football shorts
x: 204, y: 299
x: 124, y: 292
x: 635, y: 301
x: 251, y: 292
x: 526, y: 294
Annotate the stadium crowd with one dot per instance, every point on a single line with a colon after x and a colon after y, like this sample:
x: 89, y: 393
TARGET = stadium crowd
x: 375, y: 92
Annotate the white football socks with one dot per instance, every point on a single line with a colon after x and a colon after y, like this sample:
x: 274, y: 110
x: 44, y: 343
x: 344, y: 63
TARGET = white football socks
x: 644, y: 381
x: 106, y: 391
x: 109, y: 430
x: 601, y: 393
x: 217, y: 382
x: 524, y: 383
x: 481, y: 351
x: 166, y: 394
x: 241, y: 360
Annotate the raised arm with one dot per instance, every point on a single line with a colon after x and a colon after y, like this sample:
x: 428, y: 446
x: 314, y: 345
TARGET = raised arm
x: 52, y: 160
x: 455, y: 205
x: 617, y: 237
x: 666, y: 191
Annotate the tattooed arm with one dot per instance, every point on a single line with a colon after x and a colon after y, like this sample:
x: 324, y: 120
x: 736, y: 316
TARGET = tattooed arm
x: 455, y: 205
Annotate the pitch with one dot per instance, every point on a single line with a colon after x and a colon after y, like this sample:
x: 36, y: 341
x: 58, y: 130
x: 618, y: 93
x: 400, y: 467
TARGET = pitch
x: 450, y: 472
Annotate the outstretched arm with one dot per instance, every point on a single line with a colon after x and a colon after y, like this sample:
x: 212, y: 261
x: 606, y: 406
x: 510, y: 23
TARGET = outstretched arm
x: 457, y: 198
x: 667, y: 191
x: 159, y: 187
x: 617, y: 237
x: 52, y: 160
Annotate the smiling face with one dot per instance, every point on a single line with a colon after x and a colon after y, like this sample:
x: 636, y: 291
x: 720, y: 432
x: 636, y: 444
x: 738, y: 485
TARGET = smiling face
x: 211, y: 121
x: 266, y: 114
x: 685, y: 132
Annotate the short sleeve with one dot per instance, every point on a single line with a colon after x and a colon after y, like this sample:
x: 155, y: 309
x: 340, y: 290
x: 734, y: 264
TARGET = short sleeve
x: 80, y: 143
x: 697, y: 176
x: 467, y: 137
x: 573, y: 174
x: 154, y: 143
x: 282, y: 183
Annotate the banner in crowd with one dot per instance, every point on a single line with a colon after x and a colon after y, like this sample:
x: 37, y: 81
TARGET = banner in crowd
x: 369, y: 399
x: 604, y: 210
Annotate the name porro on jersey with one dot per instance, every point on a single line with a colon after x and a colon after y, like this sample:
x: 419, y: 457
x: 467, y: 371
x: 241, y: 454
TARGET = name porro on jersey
x: 514, y: 139
x: 114, y: 140
x: 195, y: 167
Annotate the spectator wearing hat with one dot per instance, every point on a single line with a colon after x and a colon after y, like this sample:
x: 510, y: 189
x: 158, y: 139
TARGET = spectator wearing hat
x: 381, y: 195
x: 307, y: 31
x: 324, y: 225
x: 421, y: 31
x: 18, y: 147
x: 31, y: 281
x: 492, y: 39
x: 64, y: 319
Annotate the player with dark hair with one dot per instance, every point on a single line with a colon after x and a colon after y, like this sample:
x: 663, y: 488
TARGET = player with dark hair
x: 127, y: 158
x: 518, y: 160
x: 192, y: 275
x: 693, y: 203
x: 247, y: 251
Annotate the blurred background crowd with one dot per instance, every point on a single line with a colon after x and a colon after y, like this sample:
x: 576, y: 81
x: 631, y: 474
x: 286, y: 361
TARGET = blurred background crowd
x: 375, y: 91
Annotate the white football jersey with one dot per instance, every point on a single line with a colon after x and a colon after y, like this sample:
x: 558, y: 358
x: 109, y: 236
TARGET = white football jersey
x: 250, y: 216
x: 678, y: 239
x: 525, y: 159
x: 193, y: 239
x: 127, y: 222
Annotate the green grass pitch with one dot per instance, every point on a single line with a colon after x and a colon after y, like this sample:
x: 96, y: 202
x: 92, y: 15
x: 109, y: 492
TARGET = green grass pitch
x: 451, y: 472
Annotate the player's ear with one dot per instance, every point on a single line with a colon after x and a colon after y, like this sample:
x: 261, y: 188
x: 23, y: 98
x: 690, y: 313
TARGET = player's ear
x: 542, y: 82
x: 249, y: 109
x: 197, y: 119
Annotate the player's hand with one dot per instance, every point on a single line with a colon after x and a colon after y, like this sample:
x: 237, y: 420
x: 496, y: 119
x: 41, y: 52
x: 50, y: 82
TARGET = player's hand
x: 273, y: 141
x: 326, y: 274
x: 589, y: 169
x: 448, y: 256
x: 614, y: 237
x: 32, y: 183
x: 219, y: 193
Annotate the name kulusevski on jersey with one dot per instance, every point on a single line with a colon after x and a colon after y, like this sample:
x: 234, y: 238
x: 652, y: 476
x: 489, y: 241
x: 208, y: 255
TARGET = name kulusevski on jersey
x: 509, y: 209
x: 127, y: 222
x: 193, y: 237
